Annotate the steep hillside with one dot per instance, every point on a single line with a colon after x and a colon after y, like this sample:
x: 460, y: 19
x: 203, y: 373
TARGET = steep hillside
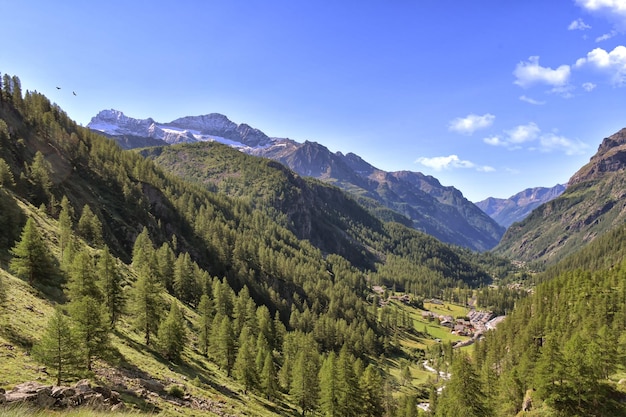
x: 592, y: 205
x: 440, y: 211
x: 507, y: 211
x: 101, y: 242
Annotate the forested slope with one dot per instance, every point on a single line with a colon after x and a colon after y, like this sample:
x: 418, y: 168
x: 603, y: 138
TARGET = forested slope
x: 151, y: 274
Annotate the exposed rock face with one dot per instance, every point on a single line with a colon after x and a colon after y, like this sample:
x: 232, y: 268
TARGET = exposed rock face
x: 611, y: 157
x: 61, y: 397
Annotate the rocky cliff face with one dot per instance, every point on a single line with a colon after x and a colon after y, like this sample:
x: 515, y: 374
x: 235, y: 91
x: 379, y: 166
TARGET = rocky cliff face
x: 611, y: 157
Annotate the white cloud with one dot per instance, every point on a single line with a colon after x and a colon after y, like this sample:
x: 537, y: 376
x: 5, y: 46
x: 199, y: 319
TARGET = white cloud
x: 530, y: 137
x: 530, y: 72
x: 606, y: 36
x: 613, y: 63
x: 532, y: 101
x: 617, y: 7
x: 523, y: 133
x: 439, y: 163
x: 588, y: 87
x: 551, y: 141
x: 472, y: 122
x: 578, y: 24
x: 614, y: 10
x: 494, y: 141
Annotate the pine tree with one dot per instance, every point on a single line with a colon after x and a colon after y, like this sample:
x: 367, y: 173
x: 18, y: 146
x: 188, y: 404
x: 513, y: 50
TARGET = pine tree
x: 110, y: 283
x: 225, y: 345
x: 89, y: 227
x: 172, y: 336
x: 82, y: 277
x: 185, y: 285
x: 31, y: 257
x: 348, y: 385
x: 304, y: 381
x: 146, y: 298
x: 92, y: 328
x: 370, y: 387
x: 65, y: 224
x: 328, y: 386
x: 244, y: 367
x: 206, y: 313
x: 463, y: 394
x: 57, y: 348
x: 40, y: 173
x: 269, y: 378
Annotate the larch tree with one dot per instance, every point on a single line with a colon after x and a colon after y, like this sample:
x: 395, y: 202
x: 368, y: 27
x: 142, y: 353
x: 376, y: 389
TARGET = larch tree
x: 32, y: 259
x: 110, y: 283
x: 304, y: 380
x: 57, y: 348
x: 328, y: 386
x: 206, y: 312
x: 146, y: 301
x: 172, y: 335
x: 269, y: 377
x: 244, y: 368
x: 92, y: 328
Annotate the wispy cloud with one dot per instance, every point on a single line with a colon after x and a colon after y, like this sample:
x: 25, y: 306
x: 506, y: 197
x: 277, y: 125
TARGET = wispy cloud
x: 578, y: 24
x: 532, y: 101
x: 530, y: 72
x: 588, y: 87
x: 606, y: 36
x: 471, y: 123
x: 613, y: 63
x: 530, y: 137
x: 439, y: 163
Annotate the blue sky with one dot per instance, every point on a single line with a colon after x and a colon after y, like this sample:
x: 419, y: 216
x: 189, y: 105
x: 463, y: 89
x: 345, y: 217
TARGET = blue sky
x: 490, y: 97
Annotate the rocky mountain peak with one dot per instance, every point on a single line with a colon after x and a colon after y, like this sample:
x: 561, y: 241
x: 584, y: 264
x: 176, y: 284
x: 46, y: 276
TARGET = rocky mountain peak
x: 611, y: 157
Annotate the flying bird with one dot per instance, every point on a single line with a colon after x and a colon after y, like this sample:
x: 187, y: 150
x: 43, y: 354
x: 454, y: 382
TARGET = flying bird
x: 58, y: 88
x: 73, y: 93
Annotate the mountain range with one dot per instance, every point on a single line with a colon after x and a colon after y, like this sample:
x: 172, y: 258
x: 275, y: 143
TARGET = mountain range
x: 420, y: 200
x: 507, y: 211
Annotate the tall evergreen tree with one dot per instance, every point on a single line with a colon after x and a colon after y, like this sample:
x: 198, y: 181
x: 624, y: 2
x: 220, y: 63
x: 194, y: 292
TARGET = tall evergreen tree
x: 244, y: 368
x: 348, y: 397
x: 463, y: 394
x: 40, y: 178
x: 32, y: 259
x: 269, y: 378
x: 370, y: 385
x: 57, y: 348
x: 92, y: 329
x: 329, y: 392
x: 89, y: 227
x: 82, y: 277
x: 225, y: 345
x: 146, y: 302
x: 206, y: 313
x: 172, y: 336
x: 65, y: 224
x: 304, y: 381
x: 110, y: 283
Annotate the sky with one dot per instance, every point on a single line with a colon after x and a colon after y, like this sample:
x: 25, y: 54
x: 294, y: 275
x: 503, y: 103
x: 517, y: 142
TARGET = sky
x: 489, y: 96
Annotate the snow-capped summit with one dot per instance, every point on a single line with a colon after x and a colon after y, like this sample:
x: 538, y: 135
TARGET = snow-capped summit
x: 210, y: 127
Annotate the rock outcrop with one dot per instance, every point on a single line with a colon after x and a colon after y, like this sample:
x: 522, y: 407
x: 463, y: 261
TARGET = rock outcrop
x: 82, y: 394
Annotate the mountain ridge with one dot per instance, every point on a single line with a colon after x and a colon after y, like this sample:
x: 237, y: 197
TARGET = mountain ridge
x: 507, y: 211
x: 440, y: 211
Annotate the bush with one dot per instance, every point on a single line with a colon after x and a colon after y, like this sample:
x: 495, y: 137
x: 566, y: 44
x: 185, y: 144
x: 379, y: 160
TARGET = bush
x: 176, y: 391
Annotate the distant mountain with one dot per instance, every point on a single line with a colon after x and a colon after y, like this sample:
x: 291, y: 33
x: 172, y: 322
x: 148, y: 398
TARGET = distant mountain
x: 440, y: 211
x: 593, y: 204
x: 210, y: 127
x: 507, y: 211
